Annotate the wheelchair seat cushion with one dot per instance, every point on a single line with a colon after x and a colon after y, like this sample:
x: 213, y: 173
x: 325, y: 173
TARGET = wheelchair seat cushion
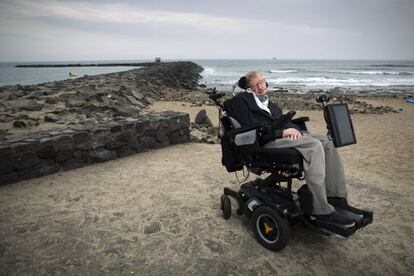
x: 285, y: 156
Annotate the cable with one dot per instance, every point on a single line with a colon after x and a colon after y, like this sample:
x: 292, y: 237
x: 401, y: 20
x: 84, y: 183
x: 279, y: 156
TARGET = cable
x: 245, y: 177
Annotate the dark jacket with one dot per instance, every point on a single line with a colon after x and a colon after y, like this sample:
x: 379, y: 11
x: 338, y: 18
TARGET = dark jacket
x: 244, y: 109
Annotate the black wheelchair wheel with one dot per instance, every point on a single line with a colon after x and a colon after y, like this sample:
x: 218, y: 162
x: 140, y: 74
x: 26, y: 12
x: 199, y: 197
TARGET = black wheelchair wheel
x: 225, y: 206
x: 272, y: 231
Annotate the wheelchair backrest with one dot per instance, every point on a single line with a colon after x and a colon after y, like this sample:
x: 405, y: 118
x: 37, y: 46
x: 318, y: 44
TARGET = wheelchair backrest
x: 231, y: 158
x: 237, y: 142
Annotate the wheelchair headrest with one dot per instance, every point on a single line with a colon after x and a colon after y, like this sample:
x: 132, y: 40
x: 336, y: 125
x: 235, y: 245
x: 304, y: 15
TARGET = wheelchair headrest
x: 242, y: 83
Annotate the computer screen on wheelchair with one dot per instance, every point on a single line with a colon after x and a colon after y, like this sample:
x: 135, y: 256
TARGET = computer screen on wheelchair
x: 340, y: 124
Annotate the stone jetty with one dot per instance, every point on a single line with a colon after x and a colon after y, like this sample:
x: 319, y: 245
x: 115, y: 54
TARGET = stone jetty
x: 51, y: 65
x: 68, y: 124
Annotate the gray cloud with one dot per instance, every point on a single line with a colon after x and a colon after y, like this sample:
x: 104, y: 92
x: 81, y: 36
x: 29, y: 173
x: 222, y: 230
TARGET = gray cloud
x: 325, y: 29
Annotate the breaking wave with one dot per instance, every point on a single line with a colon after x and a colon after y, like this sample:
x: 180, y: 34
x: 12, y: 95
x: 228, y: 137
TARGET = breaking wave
x: 324, y: 81
x: 282, y: 71
x: 376, y: 72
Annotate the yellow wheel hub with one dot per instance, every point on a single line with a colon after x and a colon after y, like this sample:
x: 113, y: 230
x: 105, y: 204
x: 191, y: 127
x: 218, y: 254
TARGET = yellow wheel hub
x: 267, y: 228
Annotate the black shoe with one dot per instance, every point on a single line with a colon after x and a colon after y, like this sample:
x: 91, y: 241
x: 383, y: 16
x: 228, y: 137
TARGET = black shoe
x: 336, y: 218
x: 338, y: 202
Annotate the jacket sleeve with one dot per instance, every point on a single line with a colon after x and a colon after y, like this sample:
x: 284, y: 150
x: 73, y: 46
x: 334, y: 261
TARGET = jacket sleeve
x: 292, y: 125
x: 239, y: 110
x: 277, y: 112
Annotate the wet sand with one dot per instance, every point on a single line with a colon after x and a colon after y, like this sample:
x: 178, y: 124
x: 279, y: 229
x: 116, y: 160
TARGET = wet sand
x: 158, y: 212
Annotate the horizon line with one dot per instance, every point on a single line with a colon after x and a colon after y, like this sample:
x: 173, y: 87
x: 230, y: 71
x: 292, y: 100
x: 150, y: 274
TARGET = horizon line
x: 194, y: 59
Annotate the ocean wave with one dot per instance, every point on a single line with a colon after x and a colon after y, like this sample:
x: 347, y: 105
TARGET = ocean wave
x: 208, y: 71
x: 375, y: 72
x: 323, y: 81
x: 282, y: 71
x: 320, y: 82
x: 392, y: 65
x: 212, y: 72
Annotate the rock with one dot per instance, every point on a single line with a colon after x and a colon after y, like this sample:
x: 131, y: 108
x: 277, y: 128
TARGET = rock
x: 34, y: 95
x: 116, y: 145
x: 47, y: 152
x: 25, y: 104
x: 48, y: 167
x: 5, y: 166
x: 197, y: 136
x: 100, y: 141
x: 24, y: 121
x: 153, y: 228
x: 64, y: 156
x: 149, y: 100
x: 75, y: 102
x: 134, y: 101
x: 147, y: 142
x: 51, y: 100
x: 72, y: 164
x: 202, y: 119
x: 3, y: 134
x: 139, y: 96
x: 101, y: 155
x: 11, y: 97
x: 125, y: 151
x: 19, y: 124
x: 214, y: 246
x: 52, y: 118
x: 81, y: 137
x: 27, y: 160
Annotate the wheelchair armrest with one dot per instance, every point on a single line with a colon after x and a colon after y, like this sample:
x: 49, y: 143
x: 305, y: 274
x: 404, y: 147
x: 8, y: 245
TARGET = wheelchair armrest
x: 245, y: 139
x: 233, y: 132
x: 300, y: 122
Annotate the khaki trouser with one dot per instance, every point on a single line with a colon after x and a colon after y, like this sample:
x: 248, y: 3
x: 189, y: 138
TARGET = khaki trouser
x: 323, y: 167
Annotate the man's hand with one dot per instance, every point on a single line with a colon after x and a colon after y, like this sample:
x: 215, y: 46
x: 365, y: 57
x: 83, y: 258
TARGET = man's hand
x: 292, y: 133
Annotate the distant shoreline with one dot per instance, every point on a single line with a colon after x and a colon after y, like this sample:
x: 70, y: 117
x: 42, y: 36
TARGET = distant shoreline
x: 85, y: 65
x: 296, y: 77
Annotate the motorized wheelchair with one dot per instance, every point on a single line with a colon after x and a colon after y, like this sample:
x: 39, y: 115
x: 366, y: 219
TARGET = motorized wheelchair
x: 270, y: 203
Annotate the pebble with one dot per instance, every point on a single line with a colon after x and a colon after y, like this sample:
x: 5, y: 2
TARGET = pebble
x: 153, y: 228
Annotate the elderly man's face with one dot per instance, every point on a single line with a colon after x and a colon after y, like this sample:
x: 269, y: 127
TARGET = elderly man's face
x: 258, y: 85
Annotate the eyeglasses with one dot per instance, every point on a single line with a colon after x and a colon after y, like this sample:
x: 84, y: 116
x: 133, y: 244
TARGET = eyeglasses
x: 260, y: 83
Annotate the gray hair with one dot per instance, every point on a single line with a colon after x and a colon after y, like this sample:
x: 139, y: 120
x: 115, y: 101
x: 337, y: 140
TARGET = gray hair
x: 251, y: 75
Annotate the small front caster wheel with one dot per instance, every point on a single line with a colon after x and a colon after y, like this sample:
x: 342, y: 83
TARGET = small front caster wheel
x: 272, y: 230
x: 225, y: 206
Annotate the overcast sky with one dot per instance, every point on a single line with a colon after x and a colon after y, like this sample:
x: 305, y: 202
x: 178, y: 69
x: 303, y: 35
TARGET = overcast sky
x: 47, y: 30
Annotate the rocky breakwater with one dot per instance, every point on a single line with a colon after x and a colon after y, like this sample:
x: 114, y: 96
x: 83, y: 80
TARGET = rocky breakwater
x: 68, y: 124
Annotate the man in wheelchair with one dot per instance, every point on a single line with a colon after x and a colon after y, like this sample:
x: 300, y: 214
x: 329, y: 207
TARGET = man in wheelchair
x: 285, y: 149
x: 323, y: 167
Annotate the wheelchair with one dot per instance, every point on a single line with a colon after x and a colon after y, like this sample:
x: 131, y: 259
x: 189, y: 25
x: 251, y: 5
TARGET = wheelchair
x: 270, y: 203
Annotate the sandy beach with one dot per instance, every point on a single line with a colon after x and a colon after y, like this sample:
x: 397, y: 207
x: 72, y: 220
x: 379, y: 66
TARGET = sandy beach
x: 158, y: 212
x: 110, y: 137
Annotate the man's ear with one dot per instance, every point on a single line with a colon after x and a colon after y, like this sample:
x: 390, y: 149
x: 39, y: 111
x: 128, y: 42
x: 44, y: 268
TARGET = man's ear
x: 242, y: 83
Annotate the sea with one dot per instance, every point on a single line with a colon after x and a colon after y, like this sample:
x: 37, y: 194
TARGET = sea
x: 296, y: 75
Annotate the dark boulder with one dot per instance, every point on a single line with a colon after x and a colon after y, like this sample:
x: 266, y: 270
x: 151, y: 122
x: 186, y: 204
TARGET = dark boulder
x: 202, y: 119
x: 52, y: 118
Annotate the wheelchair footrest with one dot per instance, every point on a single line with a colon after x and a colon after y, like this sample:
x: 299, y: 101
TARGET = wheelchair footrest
x: 362, y: 218
x: 337, y: 229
